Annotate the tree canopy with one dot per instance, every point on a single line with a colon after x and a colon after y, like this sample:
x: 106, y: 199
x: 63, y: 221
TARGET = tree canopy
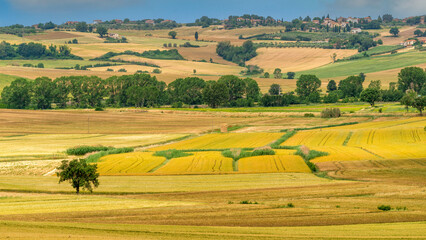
x: 79, y: 173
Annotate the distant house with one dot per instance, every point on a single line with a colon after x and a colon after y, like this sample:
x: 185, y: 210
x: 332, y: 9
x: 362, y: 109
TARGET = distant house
x: 113, y: 35
x: 408, y: 43
x: 118, y: 21
x: 341, y: 20
x: 352, y: 20
x: 97, y: 21
x: 422, y: 20
x: 368, y: 19
x: 240, y: 19
x: 316, y: 21
x: 166, y: 21
x: 356, y: 30
x: 256, y: 21
x: 149, y: 22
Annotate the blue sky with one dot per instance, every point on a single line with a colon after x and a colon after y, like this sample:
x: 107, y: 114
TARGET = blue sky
x: 29, y: 12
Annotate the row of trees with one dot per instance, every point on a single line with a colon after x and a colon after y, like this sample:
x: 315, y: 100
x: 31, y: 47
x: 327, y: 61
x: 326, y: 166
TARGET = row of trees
x: 236, y: 54
x: 142, y: 90
x: 34, y: 51
x: 139, y: 90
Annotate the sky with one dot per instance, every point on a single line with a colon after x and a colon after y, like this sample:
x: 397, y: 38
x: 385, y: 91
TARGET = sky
x: 29, y: 12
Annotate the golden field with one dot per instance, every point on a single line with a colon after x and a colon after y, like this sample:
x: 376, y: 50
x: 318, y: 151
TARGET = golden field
x: 224, y: 140
x: 296, y: 59
x: 273, y: 163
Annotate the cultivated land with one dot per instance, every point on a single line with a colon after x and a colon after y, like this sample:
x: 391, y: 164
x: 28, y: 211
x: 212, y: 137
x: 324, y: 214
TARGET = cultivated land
x: 379, y: 159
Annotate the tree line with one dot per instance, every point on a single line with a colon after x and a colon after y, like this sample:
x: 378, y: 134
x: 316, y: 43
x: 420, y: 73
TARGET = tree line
x: 35, y: 51
x: 143, y: 90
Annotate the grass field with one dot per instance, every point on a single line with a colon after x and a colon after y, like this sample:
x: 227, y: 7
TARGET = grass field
x: 128, y: 163
x: 5, y: 80
x: 368, y: 65
x: 296, y: 59
x: 29, y: 230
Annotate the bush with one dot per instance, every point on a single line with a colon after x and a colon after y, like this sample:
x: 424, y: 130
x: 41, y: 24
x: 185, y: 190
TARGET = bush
x: 248, y: 202
x: 156, y: 71
x: 309, y: 115
x: 330, y: 113
x: 177, y: 105
x: 171, y: 153
x: 40, y: 65
x: 82, y: 150
x: 384, y: 207
x: 122, y: 70
x: 110, y: 70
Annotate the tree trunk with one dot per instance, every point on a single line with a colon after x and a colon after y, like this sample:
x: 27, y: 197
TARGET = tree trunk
x: 77, y: 189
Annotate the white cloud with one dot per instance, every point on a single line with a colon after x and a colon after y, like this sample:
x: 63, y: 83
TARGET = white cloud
x: 70, y: 5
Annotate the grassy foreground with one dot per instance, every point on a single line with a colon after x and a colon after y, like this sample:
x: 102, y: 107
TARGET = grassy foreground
x: 31, y: 230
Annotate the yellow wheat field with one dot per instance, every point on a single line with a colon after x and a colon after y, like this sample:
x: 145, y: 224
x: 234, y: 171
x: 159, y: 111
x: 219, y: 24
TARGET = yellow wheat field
x: 200, y: 162
x: 273, y: 163
x: 387, y: 136
x: 343, y: 153
x: 224, y: 140
x: 129, y: 163
x: 318, y: 138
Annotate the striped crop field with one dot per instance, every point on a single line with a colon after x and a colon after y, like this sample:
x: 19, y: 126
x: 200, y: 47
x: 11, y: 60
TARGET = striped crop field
x: 318, y: 138
x: 200, y: 162
x: 224, y: 140
x: 375, y: 140
x: 129, y: 163
x: 273, y: 163
x: 343, y: 153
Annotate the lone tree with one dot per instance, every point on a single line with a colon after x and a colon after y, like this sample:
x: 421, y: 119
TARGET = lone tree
x: 196, y: 36
x: 331, y: 86
x: 275, y: 89
x: 79, y: 174
x: 277, y: 73
x: 394, y: 31
x: 172, y: 34
x: 102, y: 31
x: 371, y: 95
x: 412, y: 99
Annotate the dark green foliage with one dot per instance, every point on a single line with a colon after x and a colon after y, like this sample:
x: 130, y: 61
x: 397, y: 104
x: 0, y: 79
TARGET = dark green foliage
x: 384, y: 207
x: 95, y: 157
x: 236, y: 54
x: 332, y: 97
x: 331, y: 86
x: 189, y: 45
x: 394, y: 31
x: 307, y: 84
x: 236, y: 86
x: 371, y: 95
x: 290, y: 75
x: 43, y: 93
x: 308, y: 115
x: 35, y: 51
x: 18, y: 94
x: 411, y: 78
x: 79, y: 173
x: 318, y: 127
x: 188, y: 90
x: 83, y: 150
x: 252, y: 89
x: 215, y: 93
x: 275, y: 89
x: 248, y: 202
x: 172, y: 34
x: 102, y: 31
x: 351, y: 86
x: 171, y: 153
x: 19, y: 30
x: 330, y: 113
x: 231, y: 153
x: 279, y: 100
x: 81, y: 27
x: 171, y: 54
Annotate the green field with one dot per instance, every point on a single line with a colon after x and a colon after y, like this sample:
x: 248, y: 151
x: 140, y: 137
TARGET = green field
x: 5, y: 80
x: 368, y: 65
x: 379, y: 50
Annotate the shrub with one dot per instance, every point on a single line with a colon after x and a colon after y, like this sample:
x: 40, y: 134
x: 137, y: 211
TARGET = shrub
x: 248, y: 202
x: 82, y: 150
x: 110, y: 70
x: 309, y: 115
x: 172, y: 153
x: 384, y: 207
x: 122, y: 70
x: 99, y: 109
x: 330, y: 113
x: 40, y: 65
x: 177, y: 105
x: 156, y: 70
